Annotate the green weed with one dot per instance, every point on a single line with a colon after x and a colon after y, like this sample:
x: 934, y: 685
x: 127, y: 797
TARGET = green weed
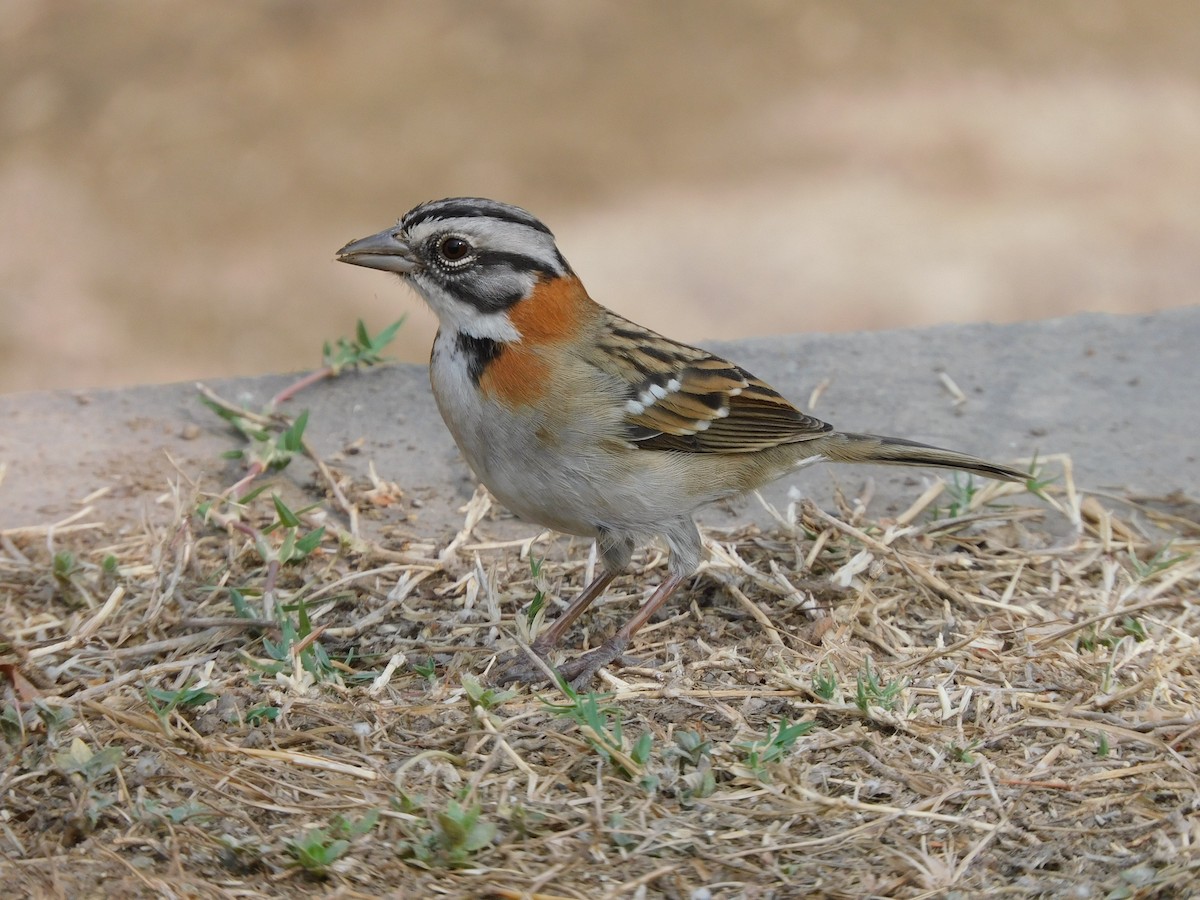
x: 773, y: 748
x: 450, y: 838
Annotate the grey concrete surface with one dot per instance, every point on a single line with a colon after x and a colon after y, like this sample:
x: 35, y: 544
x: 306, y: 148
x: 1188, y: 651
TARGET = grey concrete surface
x: 1120, y: 395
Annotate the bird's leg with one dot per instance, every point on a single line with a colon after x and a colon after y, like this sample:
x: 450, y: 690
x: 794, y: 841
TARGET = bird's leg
x: 683, y: 540
x: 548, y: 639
x: 520, y: 668
x: 582, y: 670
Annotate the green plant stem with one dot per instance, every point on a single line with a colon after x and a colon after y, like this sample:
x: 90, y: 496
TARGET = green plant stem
x: 239, y: 487
x: 256, y: 469
x: 297, y: 386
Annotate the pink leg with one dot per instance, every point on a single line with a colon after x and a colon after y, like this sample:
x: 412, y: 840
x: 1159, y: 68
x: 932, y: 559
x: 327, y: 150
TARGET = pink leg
x: 582, y: 670
x: 549, y: 638
x: 520, y: 668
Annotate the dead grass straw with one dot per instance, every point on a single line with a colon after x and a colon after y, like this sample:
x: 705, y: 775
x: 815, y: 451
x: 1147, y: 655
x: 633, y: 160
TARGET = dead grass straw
x: 995, y: 708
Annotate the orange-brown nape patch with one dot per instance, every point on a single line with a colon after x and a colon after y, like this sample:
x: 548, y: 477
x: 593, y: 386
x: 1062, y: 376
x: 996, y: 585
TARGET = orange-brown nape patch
x: 554, y: 312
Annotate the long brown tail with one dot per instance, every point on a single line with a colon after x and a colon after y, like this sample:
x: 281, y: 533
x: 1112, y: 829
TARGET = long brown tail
x: 873, y: 448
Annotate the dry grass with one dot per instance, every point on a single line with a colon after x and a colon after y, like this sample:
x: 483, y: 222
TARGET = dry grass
x: 993, y: 707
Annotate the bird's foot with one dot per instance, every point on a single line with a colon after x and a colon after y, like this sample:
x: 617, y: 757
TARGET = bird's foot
x: 581, y: 670
x: 524, y: 666
x: 520, y: 667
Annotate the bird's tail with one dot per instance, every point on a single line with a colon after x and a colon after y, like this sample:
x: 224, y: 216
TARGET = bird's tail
x: 873, y: 448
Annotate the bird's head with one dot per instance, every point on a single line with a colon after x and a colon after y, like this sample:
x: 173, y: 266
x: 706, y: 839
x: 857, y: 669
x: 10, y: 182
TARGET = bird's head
x: 470, y: 259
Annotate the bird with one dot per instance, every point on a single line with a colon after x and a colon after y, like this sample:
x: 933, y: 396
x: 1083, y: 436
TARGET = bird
x: 584, y: 422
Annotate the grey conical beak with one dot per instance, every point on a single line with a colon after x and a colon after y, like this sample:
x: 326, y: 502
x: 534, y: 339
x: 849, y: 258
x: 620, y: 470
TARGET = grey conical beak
x: 380, y: 251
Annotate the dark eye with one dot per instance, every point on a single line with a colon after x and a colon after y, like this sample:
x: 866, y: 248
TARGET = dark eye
x: 454, y: 249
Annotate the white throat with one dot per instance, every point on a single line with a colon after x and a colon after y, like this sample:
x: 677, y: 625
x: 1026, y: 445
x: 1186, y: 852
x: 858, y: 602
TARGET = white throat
x: 457, y: 317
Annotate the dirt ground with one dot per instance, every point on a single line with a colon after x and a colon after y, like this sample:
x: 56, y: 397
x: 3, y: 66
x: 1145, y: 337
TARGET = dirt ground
x: 951, y: 702
x: 175, y: 177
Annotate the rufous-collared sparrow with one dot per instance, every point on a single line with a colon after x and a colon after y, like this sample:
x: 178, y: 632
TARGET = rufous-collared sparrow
x: 585, y: 422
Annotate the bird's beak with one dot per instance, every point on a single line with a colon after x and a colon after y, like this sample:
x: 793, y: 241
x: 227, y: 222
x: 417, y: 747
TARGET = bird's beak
x: 380, y: 251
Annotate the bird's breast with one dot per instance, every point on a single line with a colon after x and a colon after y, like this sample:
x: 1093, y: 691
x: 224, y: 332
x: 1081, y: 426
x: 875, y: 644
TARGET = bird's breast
x: 513, y: 447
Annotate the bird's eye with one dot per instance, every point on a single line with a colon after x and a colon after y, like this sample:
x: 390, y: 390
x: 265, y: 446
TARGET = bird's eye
x: 454, y: 249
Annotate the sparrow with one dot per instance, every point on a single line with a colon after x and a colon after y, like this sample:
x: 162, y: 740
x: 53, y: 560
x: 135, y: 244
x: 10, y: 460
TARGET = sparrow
x: 586, y: 423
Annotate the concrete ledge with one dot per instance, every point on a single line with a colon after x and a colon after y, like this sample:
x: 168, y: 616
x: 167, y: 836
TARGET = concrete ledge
x: 1119, y: 394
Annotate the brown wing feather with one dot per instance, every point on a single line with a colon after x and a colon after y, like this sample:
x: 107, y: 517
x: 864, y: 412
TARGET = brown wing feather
x: 684, y: 398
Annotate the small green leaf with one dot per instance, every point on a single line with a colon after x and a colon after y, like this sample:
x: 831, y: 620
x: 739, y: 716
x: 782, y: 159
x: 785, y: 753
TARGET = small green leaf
x: 824, y: 682
x: 452, y: 825
x: 307, y: 544
x: 292, y: 439
x: 479, y: 836
x: 227, y: 414
x: 641, y: 749
x: 427, y: 669
x: 386, y: 336
x: 286, y: 516
x: 260, y: 714
x: 185, y: 697
x: 484, y: 697
x: 240, y: 608
x: 80, y: 759
x: 352, y: 828
x: 253, y: 494
x: 315, y: 851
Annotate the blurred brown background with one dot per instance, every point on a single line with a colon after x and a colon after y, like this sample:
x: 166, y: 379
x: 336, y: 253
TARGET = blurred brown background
x: 174, y: 178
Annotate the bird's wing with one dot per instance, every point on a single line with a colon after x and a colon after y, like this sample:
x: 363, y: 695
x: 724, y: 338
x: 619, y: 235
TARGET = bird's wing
x: 684, y: 398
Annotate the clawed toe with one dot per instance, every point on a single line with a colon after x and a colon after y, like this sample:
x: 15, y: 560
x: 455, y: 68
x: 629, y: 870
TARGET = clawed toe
x: 581, y: 670
x: 522, y: 666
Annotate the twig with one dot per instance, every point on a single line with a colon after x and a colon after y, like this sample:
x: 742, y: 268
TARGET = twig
x: 936, y: 584
x: 305, y: 760
x: 84, y: 633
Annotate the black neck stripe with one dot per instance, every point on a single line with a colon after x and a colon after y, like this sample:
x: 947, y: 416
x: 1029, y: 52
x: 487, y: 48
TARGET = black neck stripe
x: 488, y: 303
x: 479, y: 353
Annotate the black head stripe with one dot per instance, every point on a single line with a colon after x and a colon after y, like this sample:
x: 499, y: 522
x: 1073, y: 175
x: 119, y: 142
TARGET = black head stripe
x: 470, y: 207
x: 518, y: 262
